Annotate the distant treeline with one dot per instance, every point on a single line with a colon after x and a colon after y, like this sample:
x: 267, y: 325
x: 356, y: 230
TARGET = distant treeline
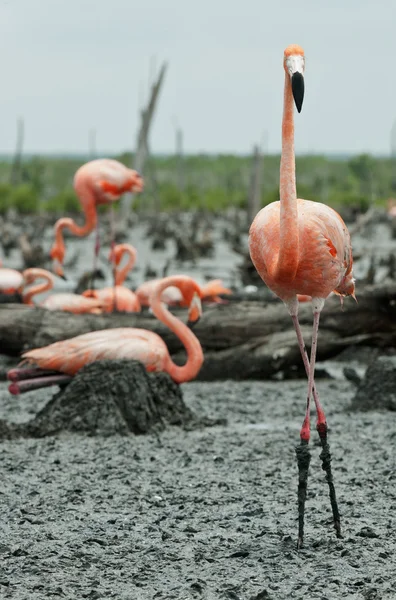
x: 202, y: 181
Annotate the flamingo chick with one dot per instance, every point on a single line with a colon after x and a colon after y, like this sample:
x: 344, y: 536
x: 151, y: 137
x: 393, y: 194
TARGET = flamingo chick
x: 67, y: 357
x: 67, y: 302
x: 302, y: 247
x: 100, y: 181
x: 118, y: 297
x: 172, y: 296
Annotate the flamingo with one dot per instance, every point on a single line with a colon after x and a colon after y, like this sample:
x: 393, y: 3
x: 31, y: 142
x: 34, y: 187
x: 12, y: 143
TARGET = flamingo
x: 10, y: 281
x: 100, y: 181
x: 118, y: 297
x: 172, y: 296
x: 67, y: 357
x: 64, y: 301
x: 302, y: 247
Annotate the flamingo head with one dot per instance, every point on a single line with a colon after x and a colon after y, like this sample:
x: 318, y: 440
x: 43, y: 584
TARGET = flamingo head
x: 136, y: 182
x: 57, y: 268
x: 294, y: 65
x: 194, y: 310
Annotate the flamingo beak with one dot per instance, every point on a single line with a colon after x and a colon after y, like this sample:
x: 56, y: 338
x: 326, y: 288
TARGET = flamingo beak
x: 295, y: 65
x: 58, y: 269
x: 138, y: 184
x: 194, y: 311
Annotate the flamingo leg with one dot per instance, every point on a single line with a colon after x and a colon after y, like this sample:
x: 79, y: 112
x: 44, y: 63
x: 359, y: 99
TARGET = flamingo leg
x: 27, y: 385
x: 112, y: 246
x: 96, y: 254
x: 302, y: 451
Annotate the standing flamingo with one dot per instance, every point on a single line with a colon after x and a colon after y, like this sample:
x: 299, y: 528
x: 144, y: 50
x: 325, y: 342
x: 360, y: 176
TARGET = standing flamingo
x: 100, y: 181
x: 172, y: 296
x: 118, y: 297
x: 302, y: 247
x: 63, y: 301
x: 69, y: 356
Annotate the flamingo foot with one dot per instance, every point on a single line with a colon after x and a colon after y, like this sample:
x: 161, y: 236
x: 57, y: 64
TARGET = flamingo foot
x: 303, y: 460
x: 325, y: 457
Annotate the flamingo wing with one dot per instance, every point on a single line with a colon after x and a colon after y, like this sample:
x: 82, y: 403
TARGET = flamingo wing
x: 72, y: 303
x: 118, y: 298
x: 69, y: 356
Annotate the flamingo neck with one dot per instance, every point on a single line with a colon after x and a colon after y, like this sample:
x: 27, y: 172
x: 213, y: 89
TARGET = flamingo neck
x: 188, y: 339
x: 48, y: 284
x: 121, y: 273
x: 289, y: 243
x: 88, y: 205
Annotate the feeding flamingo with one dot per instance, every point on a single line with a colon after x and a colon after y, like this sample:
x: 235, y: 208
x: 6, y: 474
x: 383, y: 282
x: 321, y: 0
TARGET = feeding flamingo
x: 65, y: 301
x: 100, y: 181
x: 118, y: 297
x: 69, y: 356
x: 172, y: 296
x: 302, y: 247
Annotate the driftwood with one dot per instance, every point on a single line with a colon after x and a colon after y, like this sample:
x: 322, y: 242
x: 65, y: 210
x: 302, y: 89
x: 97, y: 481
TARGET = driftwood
x: 241, y: 340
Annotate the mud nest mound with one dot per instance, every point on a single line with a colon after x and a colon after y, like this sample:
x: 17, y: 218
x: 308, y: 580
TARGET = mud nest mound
x: 107, y: 398
x: 377, y: 391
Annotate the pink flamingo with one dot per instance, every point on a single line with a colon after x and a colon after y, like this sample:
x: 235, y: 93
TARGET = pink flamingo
x: 172, y: 296
x: 118, y: 297
x: 302, y: 247
x: 69, y: 356
x: 63, y: 301
x: 100, y: 181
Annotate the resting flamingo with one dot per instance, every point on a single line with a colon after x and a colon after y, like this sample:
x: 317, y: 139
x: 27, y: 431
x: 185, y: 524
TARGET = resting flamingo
x: 69, y: 356
x: 302, y: 247
x: 118, y: 297
x: 65, y: 301
x: 100, y: 181
x: 11, y: 281
x: 172, y: 296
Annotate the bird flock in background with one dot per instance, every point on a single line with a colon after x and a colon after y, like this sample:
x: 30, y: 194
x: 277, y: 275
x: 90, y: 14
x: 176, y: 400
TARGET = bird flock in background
x: 301, y: 250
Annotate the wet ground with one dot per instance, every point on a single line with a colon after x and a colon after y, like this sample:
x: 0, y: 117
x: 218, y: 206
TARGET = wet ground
x: 205, y: 514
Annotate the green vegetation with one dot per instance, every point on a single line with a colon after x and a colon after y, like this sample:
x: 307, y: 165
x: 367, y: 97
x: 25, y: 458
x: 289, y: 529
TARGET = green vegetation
x: 203, y: 181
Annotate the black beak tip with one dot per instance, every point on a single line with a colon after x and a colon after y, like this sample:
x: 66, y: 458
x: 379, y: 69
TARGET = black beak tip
x: 297, y: 83
x: 63, y: 277
x: 190, y: 324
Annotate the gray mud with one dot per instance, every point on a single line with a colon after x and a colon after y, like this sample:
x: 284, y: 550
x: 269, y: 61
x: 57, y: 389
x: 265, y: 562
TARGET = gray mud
x: 204, y: 514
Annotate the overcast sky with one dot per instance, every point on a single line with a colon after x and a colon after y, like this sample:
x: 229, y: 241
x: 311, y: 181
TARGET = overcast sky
x: 68, y: 66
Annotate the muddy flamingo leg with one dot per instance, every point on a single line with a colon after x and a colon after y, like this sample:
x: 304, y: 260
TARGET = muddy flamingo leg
x: 302, y: 451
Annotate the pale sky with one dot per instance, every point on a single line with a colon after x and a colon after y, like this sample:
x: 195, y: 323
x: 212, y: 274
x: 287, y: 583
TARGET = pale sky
x: 68, y: 66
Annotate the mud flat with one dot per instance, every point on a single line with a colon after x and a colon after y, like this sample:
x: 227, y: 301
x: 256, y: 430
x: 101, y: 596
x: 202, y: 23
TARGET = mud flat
x: 207, y: 513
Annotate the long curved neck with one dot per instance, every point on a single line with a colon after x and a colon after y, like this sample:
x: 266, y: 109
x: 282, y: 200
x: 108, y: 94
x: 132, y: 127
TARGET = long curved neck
x: 88, y: 205
x: 122, y: 272
x: 288, y: 250
x: 185, y: 335
x: 48, y: 284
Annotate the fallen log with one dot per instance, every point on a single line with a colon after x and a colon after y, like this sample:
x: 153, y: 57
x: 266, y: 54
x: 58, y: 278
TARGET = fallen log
x: 241, y: 340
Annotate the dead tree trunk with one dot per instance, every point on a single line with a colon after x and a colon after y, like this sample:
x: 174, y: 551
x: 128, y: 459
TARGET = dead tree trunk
x: 142, y: 139
x: 254, y: 199
x: 15, y: 176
